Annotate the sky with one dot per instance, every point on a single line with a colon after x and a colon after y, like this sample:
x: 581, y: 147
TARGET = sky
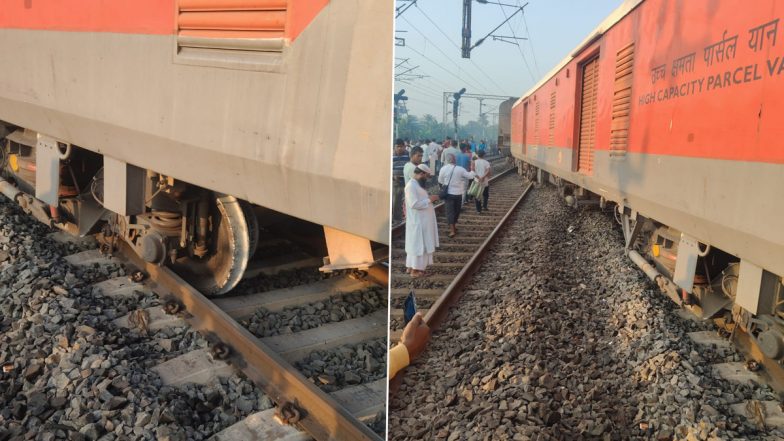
x: 555, y: 28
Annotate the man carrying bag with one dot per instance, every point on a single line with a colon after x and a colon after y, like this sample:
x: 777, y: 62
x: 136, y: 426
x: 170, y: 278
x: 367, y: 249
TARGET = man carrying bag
x: 453, y: 179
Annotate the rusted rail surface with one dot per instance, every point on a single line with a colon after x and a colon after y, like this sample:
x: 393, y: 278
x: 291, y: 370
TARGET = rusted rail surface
x: 320, y: 415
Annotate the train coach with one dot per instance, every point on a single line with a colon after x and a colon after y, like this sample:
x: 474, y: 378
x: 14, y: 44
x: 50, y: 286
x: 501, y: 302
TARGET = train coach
x: 178, y: 125
x: 671, y: 111
x: 505, y: 126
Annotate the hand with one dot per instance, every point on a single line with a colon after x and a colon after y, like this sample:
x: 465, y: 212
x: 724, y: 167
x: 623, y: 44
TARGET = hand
x: 415, y: 336
x: 434, y: 197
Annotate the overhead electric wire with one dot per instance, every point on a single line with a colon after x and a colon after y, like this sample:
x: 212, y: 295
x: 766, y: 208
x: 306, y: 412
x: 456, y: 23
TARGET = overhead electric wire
x: 425, y: 89
x: 469, y: 106
x: 432, y: 98
x: 531, y: 43
x: 409, y: 69
x: 429, y: 88
x: 477, y: 83
x: 431, y: 80
x: 417, y: 99
x: 401, y: 9
x: 458, y: 48
x: 434, y: 84
x: 422, y: 89
x: 437, y: 65
x: 433, y: 88
x: 519, y: 49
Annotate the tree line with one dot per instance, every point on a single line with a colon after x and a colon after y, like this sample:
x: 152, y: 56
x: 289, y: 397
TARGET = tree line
x: 428, y: 127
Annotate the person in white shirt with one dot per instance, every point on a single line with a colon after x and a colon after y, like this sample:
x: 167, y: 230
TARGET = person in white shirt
x: 408, y: 169
x: 426, y: 152
x: 454, y: 177
x: 483, y: 172
x: 452, y: 149
x: 421, y: 223
x: 432, y: 154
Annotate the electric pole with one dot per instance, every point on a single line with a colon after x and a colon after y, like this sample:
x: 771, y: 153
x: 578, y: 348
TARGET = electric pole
x: 467, y: 46
x: 467, y: 28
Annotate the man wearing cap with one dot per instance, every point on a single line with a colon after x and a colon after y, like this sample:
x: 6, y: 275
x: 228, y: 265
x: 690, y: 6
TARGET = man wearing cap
x: 421, y: 224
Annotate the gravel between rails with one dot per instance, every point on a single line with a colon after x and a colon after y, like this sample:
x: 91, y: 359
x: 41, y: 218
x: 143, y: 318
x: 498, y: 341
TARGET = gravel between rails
x: 559, y: 336
x: 284, y: 279
x: 337, y: 308
x: 347, y: 365
x: 73, y: 374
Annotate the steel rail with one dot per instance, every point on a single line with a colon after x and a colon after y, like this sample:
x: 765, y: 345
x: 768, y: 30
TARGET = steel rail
x: 438, y: 311
x: 320, y: 415
x: 401, y: 227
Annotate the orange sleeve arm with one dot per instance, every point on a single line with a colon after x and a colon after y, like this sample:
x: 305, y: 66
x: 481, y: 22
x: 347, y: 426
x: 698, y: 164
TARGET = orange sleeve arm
x: 398, y: 359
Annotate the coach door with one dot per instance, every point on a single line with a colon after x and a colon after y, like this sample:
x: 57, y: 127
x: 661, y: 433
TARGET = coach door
x: 588, y: 97
x: 525, y: 127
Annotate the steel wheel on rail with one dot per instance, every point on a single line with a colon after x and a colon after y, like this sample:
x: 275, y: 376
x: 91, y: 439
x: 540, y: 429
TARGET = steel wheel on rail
x: 232, y: 242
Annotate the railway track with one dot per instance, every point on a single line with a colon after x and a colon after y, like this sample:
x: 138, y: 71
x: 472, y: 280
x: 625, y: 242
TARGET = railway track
x: 315, y: 347
x: 499, y: 163
x: 457, y: 258
x: 560, y: 336
x: 276, y: 363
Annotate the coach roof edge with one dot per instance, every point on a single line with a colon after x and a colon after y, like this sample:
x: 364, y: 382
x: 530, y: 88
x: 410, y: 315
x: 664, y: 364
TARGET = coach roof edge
x: 617, y: 15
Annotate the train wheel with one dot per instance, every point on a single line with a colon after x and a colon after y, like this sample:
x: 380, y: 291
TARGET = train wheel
x: 229, y: 250
x: 253, y: 227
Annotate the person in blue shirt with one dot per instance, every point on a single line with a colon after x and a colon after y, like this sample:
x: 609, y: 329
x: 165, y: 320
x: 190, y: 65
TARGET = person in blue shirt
x: 464, y: 157
x: 482, y: 146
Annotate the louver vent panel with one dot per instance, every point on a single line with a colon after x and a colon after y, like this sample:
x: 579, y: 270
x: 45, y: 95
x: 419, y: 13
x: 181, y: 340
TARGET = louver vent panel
x: 251, y: 25
x: 622, y: 102
x: 536, y: 124
x: 551, y: 126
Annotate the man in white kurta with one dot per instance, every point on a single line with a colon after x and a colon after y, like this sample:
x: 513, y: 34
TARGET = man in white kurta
x: 421, y: 223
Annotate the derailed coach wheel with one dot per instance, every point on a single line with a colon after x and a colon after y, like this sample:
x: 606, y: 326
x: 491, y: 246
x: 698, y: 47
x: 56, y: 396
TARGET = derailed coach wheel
x: 228, y: 251
x: 253, y: 227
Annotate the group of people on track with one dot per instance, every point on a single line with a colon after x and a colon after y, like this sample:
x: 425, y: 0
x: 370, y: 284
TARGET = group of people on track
x: 450, y: 168
x: 457, y: 169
